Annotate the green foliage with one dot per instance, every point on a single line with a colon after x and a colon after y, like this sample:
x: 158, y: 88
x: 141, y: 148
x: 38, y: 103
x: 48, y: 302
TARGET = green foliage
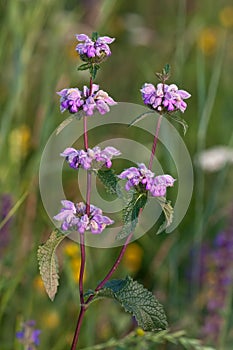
x: 109, y: 180
x: 84, y: 66
x: 148, y: 340
x: 93, y: 70
x: 131, y: 213
x: 168, y: 213
x: 179, y: 120
x: 167, y: 68
x: 165, y: 75
x: 94, y: 36
x: 48, y: 262
x: 136, y: 300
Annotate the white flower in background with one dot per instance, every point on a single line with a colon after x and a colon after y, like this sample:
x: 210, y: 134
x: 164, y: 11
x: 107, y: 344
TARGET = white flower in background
x: 215, y: 158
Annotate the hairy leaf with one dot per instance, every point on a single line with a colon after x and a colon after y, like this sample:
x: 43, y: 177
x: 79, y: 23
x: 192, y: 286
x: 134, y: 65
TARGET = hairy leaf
x: 48, y: 262
x: 84, y: 66
x: 167, y: 211
x: 109, y: 180
x: 131, y: 213
x: 136, y: 300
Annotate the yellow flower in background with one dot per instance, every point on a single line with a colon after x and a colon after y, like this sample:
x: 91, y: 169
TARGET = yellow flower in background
x: 38, y: 284
x: 140, y: 332
x: 75, y: 264
x: 51, y: 319
x: 71, y: 249
x: 226, y: 16
x: 207, y: 41
x: 19, y: 142
x: 133, y: 257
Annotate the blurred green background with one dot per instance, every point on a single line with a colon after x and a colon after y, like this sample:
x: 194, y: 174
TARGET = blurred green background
x: 38, y: 58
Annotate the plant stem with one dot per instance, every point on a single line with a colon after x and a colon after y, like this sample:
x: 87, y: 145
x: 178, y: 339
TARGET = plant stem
x: 82, y: 244
x: 77, y: 330
x: 82, y: 267
x: 123, y: 249
x: 113, y: 268
x: 116, y: 264
x: 84, y: 304
x: 155, y: 141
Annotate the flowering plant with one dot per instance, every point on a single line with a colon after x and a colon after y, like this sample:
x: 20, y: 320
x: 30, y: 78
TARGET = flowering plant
x: 141, y: 182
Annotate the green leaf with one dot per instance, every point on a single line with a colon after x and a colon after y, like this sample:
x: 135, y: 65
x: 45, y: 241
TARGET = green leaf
x: 138, y: 301
x: 93, y: 70
x: 48, y: 262
x: 167, y: 68
x: 131, y: 213
x: 109, y: 180
x: 180, y: 121
x: 84, y: 66
x: 94, y: 36
x: 140, y: 117
x: 168, y: 213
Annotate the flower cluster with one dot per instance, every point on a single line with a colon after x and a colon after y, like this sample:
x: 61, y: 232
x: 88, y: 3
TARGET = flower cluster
x: 75, y: 100
x: 217, y: 278
x: 29, y: 336
x: 91, y: 159
x: 74, y: 217
x: 93, y: 50
x: 156, y: 185
x: 164, y: 98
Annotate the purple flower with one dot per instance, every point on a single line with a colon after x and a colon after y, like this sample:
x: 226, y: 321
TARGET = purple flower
x: 147, y: 180
x: 164, y: 98
x: 74, y: 217
x: 93, y: 50
x: 91, y: 159
x: 217, y: 278
x: 75, y: 100
x: 29, y: 336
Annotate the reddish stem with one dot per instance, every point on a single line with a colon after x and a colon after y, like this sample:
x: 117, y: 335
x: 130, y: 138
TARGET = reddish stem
x: 155, y: 142
x: 82, y: 267
x: 113, y: 268
x: 77, y: 330
x: 82, y: 244
x: 90, y: 86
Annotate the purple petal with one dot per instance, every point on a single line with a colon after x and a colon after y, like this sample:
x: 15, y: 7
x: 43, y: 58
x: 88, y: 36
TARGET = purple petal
x: 106, y: 39
x: 68, y: 205
x: 184, y: 94
x: 82, y: 37
x: 68, y: 151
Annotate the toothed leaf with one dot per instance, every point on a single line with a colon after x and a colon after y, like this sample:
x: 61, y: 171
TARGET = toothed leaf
x: 109, y: 180
x: 138, y: 301
x: 48, y: 262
